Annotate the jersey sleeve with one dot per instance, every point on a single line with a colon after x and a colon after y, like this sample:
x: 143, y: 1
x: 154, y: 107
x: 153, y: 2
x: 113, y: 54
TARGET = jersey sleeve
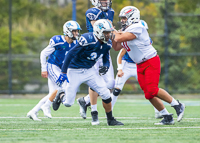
x: 136, y: 31
x: 92, y: 14
x: 83, y: 40
x: 45, y: 53
x: 106, y: 61
x: 70, y: 55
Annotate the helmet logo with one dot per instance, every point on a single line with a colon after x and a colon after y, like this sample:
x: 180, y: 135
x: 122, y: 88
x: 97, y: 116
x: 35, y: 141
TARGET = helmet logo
x: 69, y: 24
x: 128, y: 11
x: 101, y: 26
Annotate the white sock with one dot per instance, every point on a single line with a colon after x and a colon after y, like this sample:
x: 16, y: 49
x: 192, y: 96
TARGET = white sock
x: 94, y: 107
x: 174, y: 102
x: 114, y: 99
x: 155, y: 110
x: 164, y: 112
x: 41, y: 102
x: 87, y: 99
x: 48, y: 103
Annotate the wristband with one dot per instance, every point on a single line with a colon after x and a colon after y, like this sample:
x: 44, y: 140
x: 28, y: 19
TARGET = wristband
x: 119, y: 67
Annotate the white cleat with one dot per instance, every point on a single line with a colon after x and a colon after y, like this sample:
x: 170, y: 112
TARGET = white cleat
x: 47, y: 111
x: 158, y: 115
x: 33, y: 115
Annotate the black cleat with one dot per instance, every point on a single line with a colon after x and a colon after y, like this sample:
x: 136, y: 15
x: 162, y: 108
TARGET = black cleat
x: 95, y: 120
x: 179, y: 110
x: 114, y: 122
x: 83, y: 107
x: 57, y: 100
x: 168, y: 120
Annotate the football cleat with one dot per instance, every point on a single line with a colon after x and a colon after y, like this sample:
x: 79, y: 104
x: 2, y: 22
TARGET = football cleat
x: 114, y: 122
x: 168, y: 120
x: 179, y: 110
x: 57, y: 100
x: 33, y: 115
x: 95, y: 120
x: 47, y: 111
x: 83, y: 107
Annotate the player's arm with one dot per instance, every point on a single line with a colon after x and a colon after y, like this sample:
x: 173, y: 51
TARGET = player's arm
x: 120, y: 72
x: 43, y: 58
x: 70, y: 55
x: 92, y: 22
x: 106, y: 64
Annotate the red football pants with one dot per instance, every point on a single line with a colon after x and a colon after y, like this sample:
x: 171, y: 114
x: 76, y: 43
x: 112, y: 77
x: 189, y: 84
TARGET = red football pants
x: 148, y: 76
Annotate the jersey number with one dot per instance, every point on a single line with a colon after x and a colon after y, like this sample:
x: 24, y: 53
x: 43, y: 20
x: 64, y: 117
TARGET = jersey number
x: 93, y: 56
x: 125, y: 46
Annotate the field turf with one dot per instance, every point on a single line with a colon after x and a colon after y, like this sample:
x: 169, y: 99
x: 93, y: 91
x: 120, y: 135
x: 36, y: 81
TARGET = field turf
x: 67, y: 125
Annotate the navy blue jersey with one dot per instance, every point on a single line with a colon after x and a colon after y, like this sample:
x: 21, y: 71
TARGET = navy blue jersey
x: 61, y: 48
x: 87, y: 52
x: 96, y: 14
x: 127, y: 58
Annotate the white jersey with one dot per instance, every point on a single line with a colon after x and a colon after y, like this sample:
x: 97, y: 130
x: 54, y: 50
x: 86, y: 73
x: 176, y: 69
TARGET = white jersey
x: 139, y: 49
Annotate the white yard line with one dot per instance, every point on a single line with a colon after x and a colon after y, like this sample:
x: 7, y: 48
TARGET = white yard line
x: 91, y: 118
x: 149, y: 128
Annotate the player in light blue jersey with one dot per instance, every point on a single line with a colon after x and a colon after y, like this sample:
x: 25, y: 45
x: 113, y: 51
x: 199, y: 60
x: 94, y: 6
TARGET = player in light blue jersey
x: 58, y: 47
x: 79, y: 68
x: 102, y: 10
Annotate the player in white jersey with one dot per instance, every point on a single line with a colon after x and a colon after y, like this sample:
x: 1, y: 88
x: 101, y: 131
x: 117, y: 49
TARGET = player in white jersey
x: 126, y: 69
x: 102, y: 10
x: 136, y: 41
x: 58, y: 47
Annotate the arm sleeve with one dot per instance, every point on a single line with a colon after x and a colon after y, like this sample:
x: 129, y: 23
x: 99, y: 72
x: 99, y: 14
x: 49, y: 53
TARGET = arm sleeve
x: 106, y: 61
x: 119, y: 56
x: 43, y: 56
x: 136, y: 31
x: 70, y: 55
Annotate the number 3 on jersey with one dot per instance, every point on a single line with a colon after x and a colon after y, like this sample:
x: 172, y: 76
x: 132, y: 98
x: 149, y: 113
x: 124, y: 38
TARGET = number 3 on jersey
x: 125, y: 46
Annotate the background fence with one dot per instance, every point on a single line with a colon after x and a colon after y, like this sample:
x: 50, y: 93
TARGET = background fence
x: 27, y: 26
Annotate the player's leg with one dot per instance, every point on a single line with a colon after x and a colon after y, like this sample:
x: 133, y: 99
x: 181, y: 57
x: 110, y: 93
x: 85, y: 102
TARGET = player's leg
x: 119, y: 84
x: 98, y: 84
x: 53, y: 74
x: 67, y: 96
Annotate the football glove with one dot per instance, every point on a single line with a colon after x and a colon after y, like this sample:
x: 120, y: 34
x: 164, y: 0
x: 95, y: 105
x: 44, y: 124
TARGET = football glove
x: 103, y: 70
x: 61, y: 79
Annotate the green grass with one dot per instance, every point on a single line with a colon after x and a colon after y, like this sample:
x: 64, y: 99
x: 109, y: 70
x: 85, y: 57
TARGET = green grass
x: 137, y: 115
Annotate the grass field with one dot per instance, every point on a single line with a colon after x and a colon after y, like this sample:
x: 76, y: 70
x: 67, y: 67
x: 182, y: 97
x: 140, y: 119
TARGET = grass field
x: 68, y: 126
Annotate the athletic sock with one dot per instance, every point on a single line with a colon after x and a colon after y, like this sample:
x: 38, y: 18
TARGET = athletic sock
x: 94, y: 107
x: 109, y: 115
x: 174, y: 102
x: 114, y: 99
x: 164, y: 112
x: 87, y: 99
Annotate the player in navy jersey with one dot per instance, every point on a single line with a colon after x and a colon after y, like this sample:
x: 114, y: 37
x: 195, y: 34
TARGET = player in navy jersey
x: 58, y: 47
x: 102, y: 10
x: 79, y: 68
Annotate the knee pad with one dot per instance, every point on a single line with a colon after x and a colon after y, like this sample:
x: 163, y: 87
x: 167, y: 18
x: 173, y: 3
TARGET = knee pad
x: 107, y: 100
x: 116, y: 92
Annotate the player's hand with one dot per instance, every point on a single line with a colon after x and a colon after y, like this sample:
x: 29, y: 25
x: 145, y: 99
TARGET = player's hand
x: 61, y: 79
x: 120, y: 73
x: 44, y: 74
x: 103, y: 70
x: 112, y: 36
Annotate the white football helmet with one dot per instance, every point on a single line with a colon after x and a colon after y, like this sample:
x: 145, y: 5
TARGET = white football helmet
x: 131, y: 13
x: 100, y: 26
x: 144, y: 24
x: 68, y: 27
x: 104, y: 5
